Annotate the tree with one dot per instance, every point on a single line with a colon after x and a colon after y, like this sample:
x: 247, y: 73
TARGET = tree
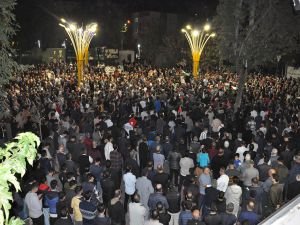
x: 7, y: 30
x: 12, y: 162
x: 253, y: 32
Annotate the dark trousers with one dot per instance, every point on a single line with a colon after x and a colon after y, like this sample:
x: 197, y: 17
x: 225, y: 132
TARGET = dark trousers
x: 53, y: 220
x: 174, y: 175
x: 181, y: 182
x: 126, y: 201
x: 38, y: 221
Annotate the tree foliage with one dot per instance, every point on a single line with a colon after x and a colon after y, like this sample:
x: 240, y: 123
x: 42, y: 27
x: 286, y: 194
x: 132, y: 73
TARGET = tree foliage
x: 256, y: 30
x: 7, y: 30
x: 13, y: 161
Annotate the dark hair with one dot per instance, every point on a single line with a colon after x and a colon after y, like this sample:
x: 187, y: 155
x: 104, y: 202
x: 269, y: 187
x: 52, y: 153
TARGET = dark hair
x: 235, y: 180
x: 78, y: 189
x: 43, y: 153
x: 87, y: 195
x: 159, y: 206
x: 101, y: 208
x: 136, y: 198
x: 53, y: 184
x: 154, y: 214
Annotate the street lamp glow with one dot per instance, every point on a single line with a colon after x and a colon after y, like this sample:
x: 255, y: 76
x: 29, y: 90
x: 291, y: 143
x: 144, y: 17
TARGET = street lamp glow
x: 72, y: 27
x: 197, y: 40
x: 206, y: 27
x: 80, y: 39
x: 195, y: 33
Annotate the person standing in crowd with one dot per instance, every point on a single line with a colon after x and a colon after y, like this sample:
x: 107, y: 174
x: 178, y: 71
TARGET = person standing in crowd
x: 186, y: 163
x: 129, y: 181
x: 33, y: 202
x: 116, y: 209
x: 156, y: 197
x: 137, y: 212
x: 88, y: 209
x: 77, y: 216
x: 204, y: 182
x: 144, y: 188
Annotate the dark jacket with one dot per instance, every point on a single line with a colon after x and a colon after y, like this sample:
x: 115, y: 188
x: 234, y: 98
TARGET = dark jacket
x: 116, y: 211
x: 174, y: 158
x: 156, y: 197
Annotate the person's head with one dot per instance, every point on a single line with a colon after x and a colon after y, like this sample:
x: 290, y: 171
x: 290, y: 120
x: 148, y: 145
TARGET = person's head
x: 250, y: 205
x: 187, y: 205
x: 154, y: 215
x: 298, y: 177
x: 222, y: 170
x: 206, y: 171
x: 144, y: 172
x: 160, y: 207
x: 44, y: 153
x: 271, y: 172
x: 128, y: 169
x: 61, y: 148
x: 196, y: 213
x: 136, y: 198
x: 69, y: 156
x: 34, y: 187
x: 97, y: 161
x: 230, y: 207
x: 78, y: 190
x: 235, y: 180
x: 117, y: 194
x: 226, y: 144
x: 254, y: 181
x: 158, y: 188
x: 160, y: 169
x: 90, y: 178
x: 101, y: 208
x: 53, y: 184
x: 87, y: 195
x: 72, y: 184
x: 236, y: 156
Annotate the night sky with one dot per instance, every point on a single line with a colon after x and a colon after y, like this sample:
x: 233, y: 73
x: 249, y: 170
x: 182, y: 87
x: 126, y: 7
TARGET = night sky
x: 38, y: 19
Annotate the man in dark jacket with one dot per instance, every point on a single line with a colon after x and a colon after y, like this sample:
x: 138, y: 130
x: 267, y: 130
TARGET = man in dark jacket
x: 228, y: 218
x: 156, y: 197
x: 116, y: 210
x: 51, y: 199
x: 174, y: 158
x: 173, y: 198
x: 108, y: 187
x: 161, y: 178
x: 88, y: 209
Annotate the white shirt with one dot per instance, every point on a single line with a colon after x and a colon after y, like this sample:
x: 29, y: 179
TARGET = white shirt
x: 203, y: 135
x: 129, y: 181
x: 185, y: 164
x: 108, y: 149
x: 137, y: 213
x: 109, y: 123
x: 222, y: 183
x: 241, y: 151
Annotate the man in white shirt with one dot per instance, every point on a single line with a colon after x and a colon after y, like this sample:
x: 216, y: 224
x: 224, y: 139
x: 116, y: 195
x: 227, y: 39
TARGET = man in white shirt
x: 137, y: 212
x: 203, y: 134
x: 186, y: 163
x: 129, y: 182
x: 108, y: 148
x: 222, y: 182
x: 33, y: 202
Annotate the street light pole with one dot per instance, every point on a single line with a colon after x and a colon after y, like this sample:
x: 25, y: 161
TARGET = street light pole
x: 197, y: 40
x: 81, y: 40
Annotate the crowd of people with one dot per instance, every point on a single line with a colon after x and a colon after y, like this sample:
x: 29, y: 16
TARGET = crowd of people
x: 147, y: 146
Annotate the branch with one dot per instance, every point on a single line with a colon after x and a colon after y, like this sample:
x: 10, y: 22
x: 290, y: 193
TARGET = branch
x: 254, y: 27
